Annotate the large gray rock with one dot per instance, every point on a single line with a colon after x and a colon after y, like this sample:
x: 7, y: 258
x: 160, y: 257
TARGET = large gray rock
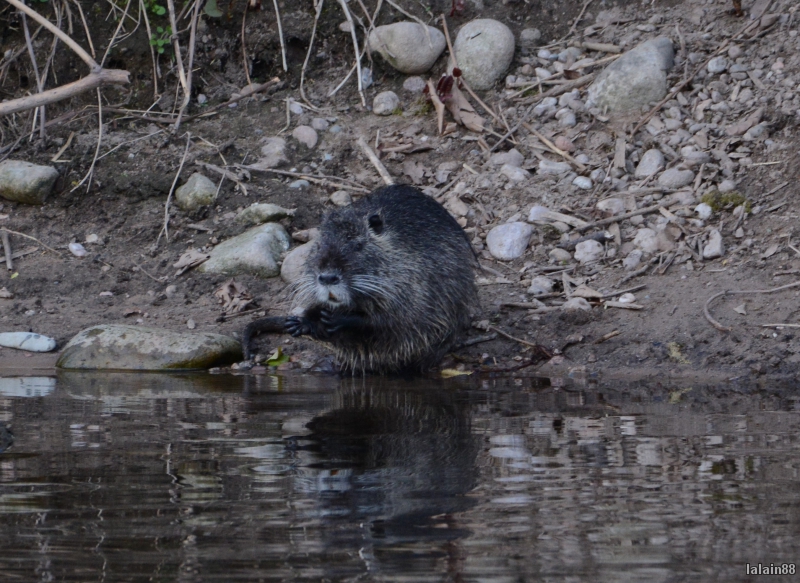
x: 407, y: 47
x: 198, y: 192
x: 256, y: 251
x: 25, y: 182
x: 484, y: 49
x: 122, y: 347
x: 636, y: 79
x: 294, y: 264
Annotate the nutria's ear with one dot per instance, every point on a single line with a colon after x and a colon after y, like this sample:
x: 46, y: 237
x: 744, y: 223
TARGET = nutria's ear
x: 375, y: 221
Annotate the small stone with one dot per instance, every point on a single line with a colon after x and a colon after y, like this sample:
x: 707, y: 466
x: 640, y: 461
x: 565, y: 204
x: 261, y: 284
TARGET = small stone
x: 273, y: 153
x: 542, y: 74
x: 564, y: 143
x: 77, y: 249
x: 560, y: 255
x: 614, y: 206
x: 408, y: 46
x: 548, y: 167
x: 385, y: 103
x: 24, y: 182
x: 735, y: 51
x: 512, y: 158
x: 541, y: 285
x: 568, y: 119
x: 703, y: 211
x: 484, y: 49
x: 589, y: 252
x: 295, y: 107
x: 529, y: 37
x: 513, y: 173
x: 341, y: 198
x: 632, y: 261
x: 694, y: 159
x: 414, y: 84
x: 198, y: 192
x: 713, y: 247
x: 256, y: 251
x: 27, y: 341
x: 675, y: 178
x: 583, y: 182
x: 263, y: 212
x: 627, y: 298
x: 726, y: 186
x: 717, y: 65
x: 758, y: 131
x: 577, y: 304
x: 320, y: 124
x: 305, y: 135
x: 652, y: 161
x: 299, y: 184
x: 509, y: 241
x: 646, y: 240
x: 456, y: 206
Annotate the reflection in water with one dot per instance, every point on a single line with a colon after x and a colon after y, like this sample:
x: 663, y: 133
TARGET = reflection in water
x: 136, y: 477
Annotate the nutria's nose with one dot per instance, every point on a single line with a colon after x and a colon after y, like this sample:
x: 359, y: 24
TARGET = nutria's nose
x: 328, y: 278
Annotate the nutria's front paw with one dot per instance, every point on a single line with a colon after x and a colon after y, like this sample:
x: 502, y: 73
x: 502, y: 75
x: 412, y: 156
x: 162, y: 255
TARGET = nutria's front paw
x: 333, y: 322
x: 297, y: 326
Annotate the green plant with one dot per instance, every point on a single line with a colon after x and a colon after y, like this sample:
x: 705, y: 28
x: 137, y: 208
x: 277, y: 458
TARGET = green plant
x: 161, y: 39
x: 156, y: 8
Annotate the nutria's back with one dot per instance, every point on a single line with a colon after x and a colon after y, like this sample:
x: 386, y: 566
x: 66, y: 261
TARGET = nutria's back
x: 390, y: 284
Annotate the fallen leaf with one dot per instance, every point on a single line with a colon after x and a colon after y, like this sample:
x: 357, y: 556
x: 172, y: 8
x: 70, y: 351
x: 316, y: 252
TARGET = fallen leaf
x: 463, y: 112
x: 233, y: 296
x: 414, y: 170
x: 772, y: 250
x: 277, y: 358
x: 192, y: 258
x: 741, y: 310
x: 584, y: 291
x: 451, y: 372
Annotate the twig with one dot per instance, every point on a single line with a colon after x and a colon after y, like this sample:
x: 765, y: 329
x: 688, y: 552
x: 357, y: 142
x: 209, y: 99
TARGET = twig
x: 245, y: 63
x: 623, y: 291
x: 7, y: 249
x: 316, y: 178
x: 246, y: 92
x: 780, y: 325
x: 608, y: 336
x: 776, y: 189
x: 510, y: 337
x: 617, y: 218
x: 637, y: 273
x: 553, y: 147
x: 349, y: 18
x: 31, y: 238
x: 280, y: 34
x: 387, y: 178
x: 320, y: 3
x: 720, y: 327
x: 478, y: 340
x: 165, y: 228
x: 577, y: 20
x: 176, y: 47
x: 90, y: 172
x: 192, y: 36
x: 39, y: 83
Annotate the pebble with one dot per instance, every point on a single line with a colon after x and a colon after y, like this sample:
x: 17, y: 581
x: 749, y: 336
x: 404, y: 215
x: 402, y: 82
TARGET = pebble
x: 27, y: 183
x: 27, y: 341
x: 559, y: 255
x: 541, y: 285
x: 320, y: 124
x: 583, y: 182
x: 273, y: 153
x: 577, y: 304
x: 305, y: 135
x: 414, y: 84
x: 627, y: 298
x: 567, y: 119
x: 614, y: 206
x: 341, y: 198
x: 553, y: 168
x: 652, y: 162
x: 484, y: 49
x: 717, y: 65
x: 646, y: 240
x: 713, y: 247
x: 703, y: 211
x: 407, y: 46
x: 529, y: 37
x: 564, y: 143
x: 199, y: 191
x: 509, y: 241
x: 548, y: 105
x: 675, y: 178
x: 299, y: 184
x: 513, y: 173
x: 385, y: 103
x: 512, y: 158
x: 632, y: 261
x: 726, y: 186
x: 735, y: 51
x: 295, y: 107
x: 263, y: 212
x: 589, y: 252
x: 77, y: 249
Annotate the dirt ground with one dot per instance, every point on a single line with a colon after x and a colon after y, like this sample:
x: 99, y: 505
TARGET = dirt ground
x: 125, y: 277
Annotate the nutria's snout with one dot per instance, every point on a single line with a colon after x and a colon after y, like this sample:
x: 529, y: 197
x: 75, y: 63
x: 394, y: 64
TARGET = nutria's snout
x: 329, y: 278
x: 331, y: 289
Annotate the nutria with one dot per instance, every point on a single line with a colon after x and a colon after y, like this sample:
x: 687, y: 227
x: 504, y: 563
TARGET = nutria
x: 389, y: 285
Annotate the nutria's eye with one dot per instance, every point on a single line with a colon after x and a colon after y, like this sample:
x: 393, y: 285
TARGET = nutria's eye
x: 376, y: 223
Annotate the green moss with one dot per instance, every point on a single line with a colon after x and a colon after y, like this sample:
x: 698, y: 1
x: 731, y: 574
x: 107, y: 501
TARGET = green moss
x: 727, y: 201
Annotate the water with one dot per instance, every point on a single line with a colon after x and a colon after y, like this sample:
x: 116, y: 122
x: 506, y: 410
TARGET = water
x: 134, y: 477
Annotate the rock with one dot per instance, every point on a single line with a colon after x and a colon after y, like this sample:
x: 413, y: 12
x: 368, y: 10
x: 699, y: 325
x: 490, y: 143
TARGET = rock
x: 484, y: 49
x: 546, y: 107
x: 513, y: 173
x: 27, y: 341
x: 77, y: 249
x: 564, y: 143
x: 566, y: 119
x: 305, y: 135
x: 414, y: 84
x: 256, y: 251
x: 295, y: 107
x: 512, y: 158
x: 198, y: 192
x: 652, y: 162
x: 121, y: 347
x: 540, y: 285
x: 727, y: 186
x: 509, y: 241
x: 273, y: 153
x: 319, y: 124
x: 577, y: 304
x: 636, y: 79
x: 294, y: 263
x: 589, y: 252
x: 583, y: 182
x: 675, y: 178
x: 341, y: 198
x: 615, y: 206
x: 717, y: 65
x: 299, y: 184
x: 646, y: 240
x: 456, y: 206
x: 757, y: 131
x: 407, y: 46
x: 694, y: 159
x: 713, y: 247
x: 560, y: 255
x: 385, y: 103
x: 25, y: 182
x: 553, y: 168
x: 632, y: 261
x: 263, y: 212
x: 703, y: 211
x: 529, y: 37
